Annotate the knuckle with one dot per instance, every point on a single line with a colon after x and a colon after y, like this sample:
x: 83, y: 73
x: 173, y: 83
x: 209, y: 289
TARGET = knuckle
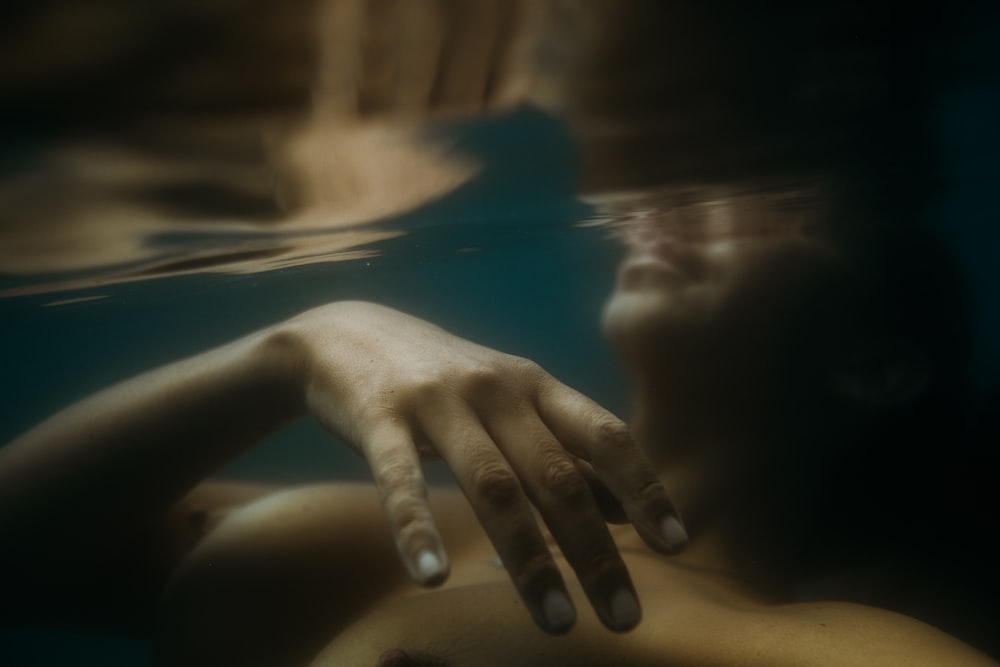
x: 653, y: 499
x: 409, y: 519
x: 601, y: 566
x: 528, y: 373
x: 652, y: 491
x: 530, y: 572
x: 613, y: 433
x: 437, y: 382
x: 428, y: 386
x: 462, y: 379
x: 561, y: 477
x: 524, y: 366
x: 403, y: 496
x: 495, y: 483
x: 395, y: 475
x: 481, y: 380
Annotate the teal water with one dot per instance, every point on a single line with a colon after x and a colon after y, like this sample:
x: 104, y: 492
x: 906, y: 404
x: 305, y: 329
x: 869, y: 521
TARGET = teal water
x: 511, y: 260
x: 503, y: 261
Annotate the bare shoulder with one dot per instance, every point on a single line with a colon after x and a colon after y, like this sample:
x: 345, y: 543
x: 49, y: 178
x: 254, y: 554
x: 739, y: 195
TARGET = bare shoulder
x: 704, y: 621
x: 840, y: 633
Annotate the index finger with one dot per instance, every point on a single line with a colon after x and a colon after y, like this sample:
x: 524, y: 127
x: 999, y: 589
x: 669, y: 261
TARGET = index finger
x: 603, y: 440
x: 395, y: 465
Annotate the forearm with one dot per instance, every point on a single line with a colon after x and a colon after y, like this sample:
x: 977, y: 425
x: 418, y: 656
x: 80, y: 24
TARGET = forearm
x: 90, y: 486
x: 126, y: 453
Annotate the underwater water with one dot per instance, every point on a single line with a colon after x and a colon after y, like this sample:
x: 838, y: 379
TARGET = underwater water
x: 509, y: 256
x: 513, y: 261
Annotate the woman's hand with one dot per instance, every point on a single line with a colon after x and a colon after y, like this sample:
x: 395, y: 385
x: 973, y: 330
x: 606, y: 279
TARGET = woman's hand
x: 100, y: 474
x: 398, y: 389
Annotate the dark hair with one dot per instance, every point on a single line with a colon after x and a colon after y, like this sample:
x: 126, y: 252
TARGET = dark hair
x: 910, y: 501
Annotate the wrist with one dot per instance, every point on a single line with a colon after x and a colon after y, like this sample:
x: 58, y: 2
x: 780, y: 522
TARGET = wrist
x: 279, y: 358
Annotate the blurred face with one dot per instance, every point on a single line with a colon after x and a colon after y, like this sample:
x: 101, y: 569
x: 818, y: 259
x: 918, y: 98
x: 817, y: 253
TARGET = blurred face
x: 700, y: 291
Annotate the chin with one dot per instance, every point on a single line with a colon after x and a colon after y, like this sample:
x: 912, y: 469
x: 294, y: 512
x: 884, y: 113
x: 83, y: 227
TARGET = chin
x: 640, y: 321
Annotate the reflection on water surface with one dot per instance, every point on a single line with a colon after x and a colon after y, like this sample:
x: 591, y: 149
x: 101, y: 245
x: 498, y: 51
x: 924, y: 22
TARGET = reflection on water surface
x: 229, y: 137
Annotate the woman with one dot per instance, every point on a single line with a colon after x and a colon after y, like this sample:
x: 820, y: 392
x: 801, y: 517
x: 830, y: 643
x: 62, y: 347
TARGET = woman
x: 754, y: 355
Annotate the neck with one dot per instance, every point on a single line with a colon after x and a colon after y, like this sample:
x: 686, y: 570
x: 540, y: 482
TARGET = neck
x: 716, y: 458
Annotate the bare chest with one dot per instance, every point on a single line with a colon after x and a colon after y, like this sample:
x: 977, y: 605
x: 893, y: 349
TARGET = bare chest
x: 476, y: 624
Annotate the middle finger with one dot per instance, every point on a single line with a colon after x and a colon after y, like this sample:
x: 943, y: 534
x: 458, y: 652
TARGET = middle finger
x: 556, y: 487
x: 503, y: 509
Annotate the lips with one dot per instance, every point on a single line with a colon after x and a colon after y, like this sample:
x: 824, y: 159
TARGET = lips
x: 661, y: 263
x: 681, y: 256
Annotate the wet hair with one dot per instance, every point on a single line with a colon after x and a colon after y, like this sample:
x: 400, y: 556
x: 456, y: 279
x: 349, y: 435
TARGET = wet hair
x: 908, y: 502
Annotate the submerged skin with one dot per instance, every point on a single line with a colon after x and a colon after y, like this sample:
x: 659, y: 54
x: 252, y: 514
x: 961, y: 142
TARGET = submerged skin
x: 101, y: 474
x: 219, y: 573
x: 309, y: 571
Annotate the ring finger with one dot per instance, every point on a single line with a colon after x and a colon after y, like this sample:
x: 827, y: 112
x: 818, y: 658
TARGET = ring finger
x: 495, y: 494
x: 556, y: 487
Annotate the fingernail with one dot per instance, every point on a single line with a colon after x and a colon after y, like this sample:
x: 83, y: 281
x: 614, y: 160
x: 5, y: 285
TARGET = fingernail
x: 674, y: 533
x: 429, y: 566
x: 558, y: 611
x: 625, y: 612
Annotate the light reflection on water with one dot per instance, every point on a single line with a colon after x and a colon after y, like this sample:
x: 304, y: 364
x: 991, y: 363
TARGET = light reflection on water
x: 130, y: 224
x: 289, y: 135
